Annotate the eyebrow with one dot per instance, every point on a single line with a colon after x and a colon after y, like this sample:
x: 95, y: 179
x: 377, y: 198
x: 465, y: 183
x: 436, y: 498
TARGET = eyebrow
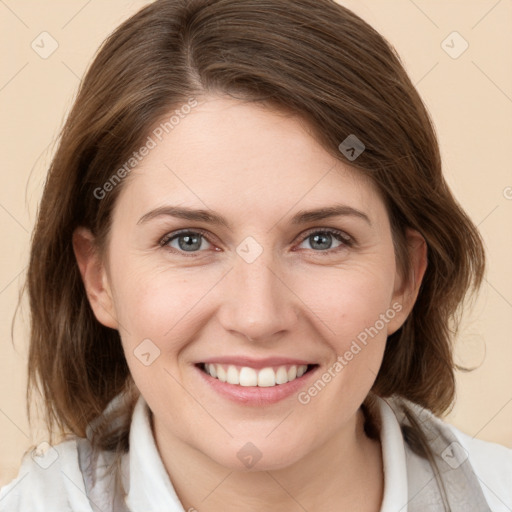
x: 301, y: 217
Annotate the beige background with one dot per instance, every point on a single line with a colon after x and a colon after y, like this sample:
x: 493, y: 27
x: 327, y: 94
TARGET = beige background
x: 470, y: 98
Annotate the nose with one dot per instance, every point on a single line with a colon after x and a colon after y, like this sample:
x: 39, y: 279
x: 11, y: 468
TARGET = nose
x: 257, y: 301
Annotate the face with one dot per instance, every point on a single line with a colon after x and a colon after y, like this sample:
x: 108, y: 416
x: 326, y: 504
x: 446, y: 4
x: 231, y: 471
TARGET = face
x: 252, y: 321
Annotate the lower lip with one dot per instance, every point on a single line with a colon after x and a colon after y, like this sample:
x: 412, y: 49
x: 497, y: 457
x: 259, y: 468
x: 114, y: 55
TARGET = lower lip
x: 254, y: 395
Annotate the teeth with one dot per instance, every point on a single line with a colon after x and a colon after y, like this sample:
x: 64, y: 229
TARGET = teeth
x: 246, y: 376
x: 233, y: 376
x: 282, y: 375
x: 221, y: 374
x: 266, y: 378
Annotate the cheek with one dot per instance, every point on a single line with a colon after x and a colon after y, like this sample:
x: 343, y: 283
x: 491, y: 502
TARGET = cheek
x: 150, y: 296
x: 349, y: 301
x: 160, y: 310
x: 158, y: 317
x: 354, y: 309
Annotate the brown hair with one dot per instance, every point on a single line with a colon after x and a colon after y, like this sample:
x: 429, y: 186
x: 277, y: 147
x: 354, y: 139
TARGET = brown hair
x: 312, y: 58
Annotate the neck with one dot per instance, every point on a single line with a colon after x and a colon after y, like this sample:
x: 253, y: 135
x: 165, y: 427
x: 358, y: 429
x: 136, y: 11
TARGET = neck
x: 345, y: 473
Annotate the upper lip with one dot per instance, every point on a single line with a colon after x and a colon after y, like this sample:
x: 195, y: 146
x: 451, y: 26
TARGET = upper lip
x: 256, y: 363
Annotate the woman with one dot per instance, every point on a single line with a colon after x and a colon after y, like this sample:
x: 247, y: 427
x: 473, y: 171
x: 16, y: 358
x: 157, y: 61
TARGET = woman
x: 243, y: 299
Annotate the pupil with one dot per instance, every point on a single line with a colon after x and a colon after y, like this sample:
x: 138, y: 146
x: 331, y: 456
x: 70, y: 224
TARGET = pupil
x: 323, y: 240
x: 189, y: 242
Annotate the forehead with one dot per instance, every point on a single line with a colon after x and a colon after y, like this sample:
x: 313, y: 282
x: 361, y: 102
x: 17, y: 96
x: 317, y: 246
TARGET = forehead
x: 225, y: 153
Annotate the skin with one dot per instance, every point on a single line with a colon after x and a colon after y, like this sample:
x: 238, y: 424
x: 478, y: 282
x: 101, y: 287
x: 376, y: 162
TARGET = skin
x: 257, y: 168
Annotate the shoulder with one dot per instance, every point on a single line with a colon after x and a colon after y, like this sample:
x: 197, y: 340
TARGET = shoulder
x: 492, y: 464
x: 49, y: 478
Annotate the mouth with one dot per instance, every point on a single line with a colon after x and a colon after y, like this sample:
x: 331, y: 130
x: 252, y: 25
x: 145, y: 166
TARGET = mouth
x: 248, y: 376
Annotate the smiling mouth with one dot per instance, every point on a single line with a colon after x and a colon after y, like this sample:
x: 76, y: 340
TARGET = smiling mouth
x: 250, y: 377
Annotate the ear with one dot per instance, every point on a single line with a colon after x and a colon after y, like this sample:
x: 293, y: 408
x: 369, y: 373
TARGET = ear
x: 407, y: 287
x: 94, y: 277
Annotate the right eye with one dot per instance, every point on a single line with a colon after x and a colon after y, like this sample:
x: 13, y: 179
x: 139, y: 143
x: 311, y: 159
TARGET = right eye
x: 185, y: 241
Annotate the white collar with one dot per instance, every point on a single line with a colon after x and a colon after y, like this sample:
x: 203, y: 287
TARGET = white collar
x: 394, y: 461
x: 149, y: 483
x: 150, y: 488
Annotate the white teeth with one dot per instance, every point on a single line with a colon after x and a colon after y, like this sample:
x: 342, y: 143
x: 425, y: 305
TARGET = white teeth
x: 233, y: 376
x: 246, y: 376
x: 281, y: 375
x: 221, y: 374
x: 301, y: 370
x: 266, y: 378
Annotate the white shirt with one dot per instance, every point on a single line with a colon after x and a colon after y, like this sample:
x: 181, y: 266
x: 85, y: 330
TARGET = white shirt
x: 54, y: 482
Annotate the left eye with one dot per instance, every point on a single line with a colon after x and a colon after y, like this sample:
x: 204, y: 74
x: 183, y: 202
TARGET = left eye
x: 323, y: 240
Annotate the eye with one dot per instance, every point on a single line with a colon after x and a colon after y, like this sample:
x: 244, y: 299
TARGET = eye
x: 185, y: 241
x: 322, y: 240
x: 194, y: 241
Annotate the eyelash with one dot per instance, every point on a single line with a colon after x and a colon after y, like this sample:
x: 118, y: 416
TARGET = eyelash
x: 340, y: 236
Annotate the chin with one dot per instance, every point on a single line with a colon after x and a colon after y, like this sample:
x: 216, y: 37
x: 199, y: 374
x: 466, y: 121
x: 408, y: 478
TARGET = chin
x: 250, y: 457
